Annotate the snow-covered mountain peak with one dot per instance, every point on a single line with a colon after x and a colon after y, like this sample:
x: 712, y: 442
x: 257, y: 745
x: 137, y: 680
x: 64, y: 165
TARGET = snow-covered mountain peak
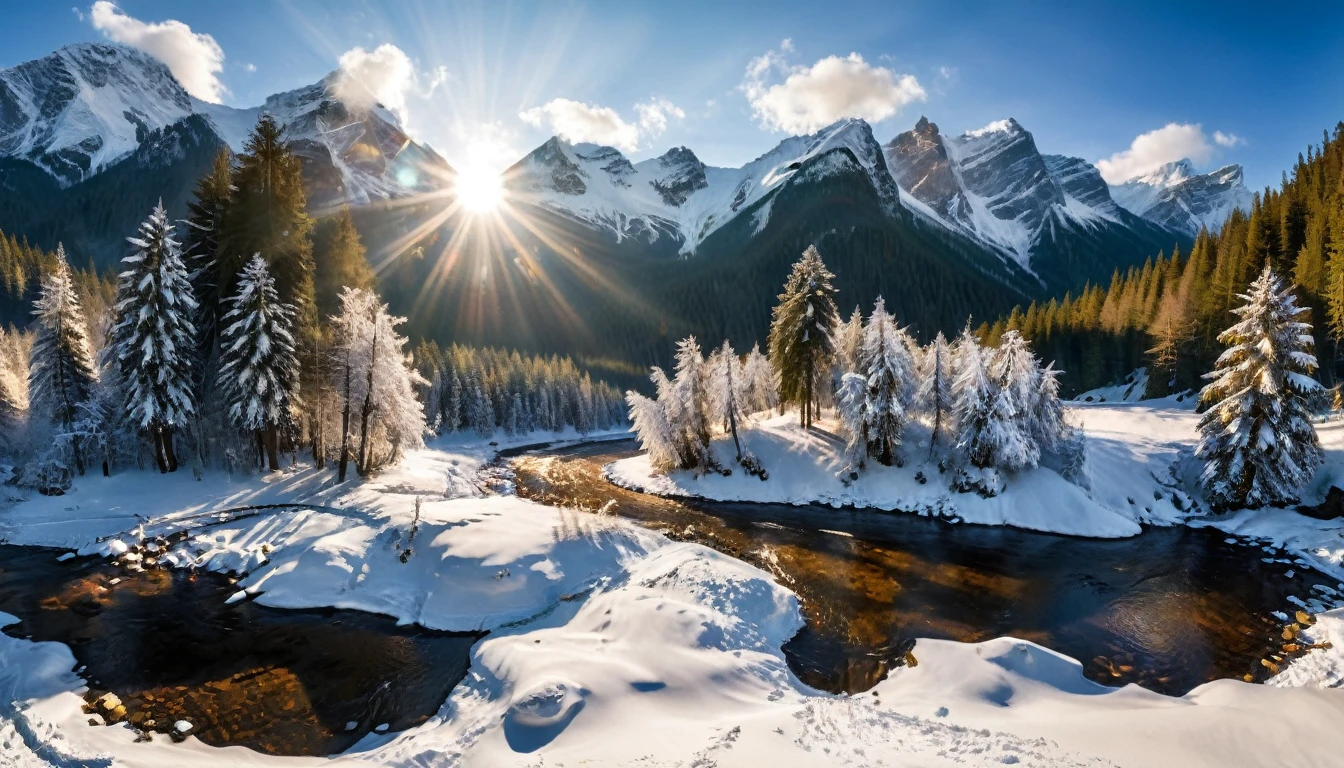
x: 993, y: 184
x: 675, y: 194
x: 1178, y: 197
x: 676, y: 175
x: 83, y: 107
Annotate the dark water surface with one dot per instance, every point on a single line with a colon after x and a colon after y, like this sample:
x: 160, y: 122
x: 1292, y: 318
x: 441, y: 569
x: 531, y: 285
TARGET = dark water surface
x: 1169, y: 609
x: 279, y: 681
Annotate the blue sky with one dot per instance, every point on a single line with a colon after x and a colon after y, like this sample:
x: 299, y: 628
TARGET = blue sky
x: 486, y: 82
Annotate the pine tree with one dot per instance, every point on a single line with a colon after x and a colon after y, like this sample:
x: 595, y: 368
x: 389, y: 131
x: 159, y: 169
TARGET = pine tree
x: 935, y: 388
x: 691, y: 414
x: 339, y: 261
x: 801, y: 329
x: 1256, y: 438
x: 889, y: 372
x: 759, y: 377
x: 1017, y: 377
x: 727, y: 391
x: 848, y: 347
x: 258, y: 372
x: 152, y: 340
x: 61, y: 373
x: 200, y: 249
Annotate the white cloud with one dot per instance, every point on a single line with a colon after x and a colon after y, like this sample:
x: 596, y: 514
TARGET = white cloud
x: 576, y: 121
x: 384, y: 75
x: 835, y: 87
x: 654, y: 114
x: 78, y: 13
x: 387, y: 76
x: 1227, y: 139
x: 249, y: 67
x: 195, y: 59
x: 1171, y: 142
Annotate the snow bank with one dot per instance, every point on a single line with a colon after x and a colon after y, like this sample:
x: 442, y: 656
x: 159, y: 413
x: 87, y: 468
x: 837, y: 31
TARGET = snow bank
x: 614, y: 646
x: 804, y: 468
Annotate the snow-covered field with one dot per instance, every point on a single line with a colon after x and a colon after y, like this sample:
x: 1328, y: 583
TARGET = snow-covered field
x: 612, y: 645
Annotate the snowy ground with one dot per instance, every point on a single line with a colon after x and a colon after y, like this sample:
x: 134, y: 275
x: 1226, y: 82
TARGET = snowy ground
x: 612, y: 645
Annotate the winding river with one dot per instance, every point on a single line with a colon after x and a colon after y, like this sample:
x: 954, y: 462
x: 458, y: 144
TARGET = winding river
x: 1169, y: 609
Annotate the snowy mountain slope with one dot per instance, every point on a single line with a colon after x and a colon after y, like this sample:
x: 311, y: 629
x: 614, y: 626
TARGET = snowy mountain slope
x: 994, y: 185
x: 1177, y: 197
x: 1050, y: 214
x: 80, y: 110
x: 676, y: 195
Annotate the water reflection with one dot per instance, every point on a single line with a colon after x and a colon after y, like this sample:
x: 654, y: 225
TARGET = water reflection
x: 166, y: 644
x: 1170, y: 609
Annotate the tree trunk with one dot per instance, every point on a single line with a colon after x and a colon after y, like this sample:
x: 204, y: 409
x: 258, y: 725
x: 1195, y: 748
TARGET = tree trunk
x: 807, y: 402
x: 363, y: 464
x: 105, y: 468
x: 168, y: 452
x: 345, y: 424
x: 261, y: 451
x: 271, y: 438
x: 158, y: 450
x: 732, y: 411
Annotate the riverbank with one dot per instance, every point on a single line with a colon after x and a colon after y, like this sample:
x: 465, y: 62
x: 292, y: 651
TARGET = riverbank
x: 610, y: 644
x: 1138, y: 472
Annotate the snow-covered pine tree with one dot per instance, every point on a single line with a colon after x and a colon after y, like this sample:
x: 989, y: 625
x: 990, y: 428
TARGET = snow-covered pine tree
x: 259, y: 370
x: 97, y: 428
x: 15, y: 353
x: 888, y: 370
x: 656, y: 434
x: 153, y: 337
x: 759, y: 375
x: 935, y: 388
x: 852, y: 404
x: 1016, y: 375
x: 691, y: 416
x: 61, y: 373
x: 1046, y: 422
x: 801, y: 328
x: 1257, y: 441
x: 848, y: 347
x: 727, y: 392
x: 480, y: 411
x: 982, y: 411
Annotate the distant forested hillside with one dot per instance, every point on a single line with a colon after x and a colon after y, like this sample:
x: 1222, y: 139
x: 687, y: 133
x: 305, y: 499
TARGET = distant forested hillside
x: 1167, y: 314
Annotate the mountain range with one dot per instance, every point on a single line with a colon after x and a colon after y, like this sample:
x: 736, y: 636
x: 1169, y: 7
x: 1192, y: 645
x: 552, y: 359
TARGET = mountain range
x: 93, y: 134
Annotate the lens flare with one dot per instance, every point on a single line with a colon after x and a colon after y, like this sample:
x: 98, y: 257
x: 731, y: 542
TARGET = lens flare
x: 479, y: 190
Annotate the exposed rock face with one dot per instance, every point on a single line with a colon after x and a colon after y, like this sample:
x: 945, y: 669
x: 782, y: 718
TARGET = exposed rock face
x: 682, y: 174
x: 1000, y: 164
x: 1177, y: 197
x: 1081, y: 180
x: 919, y: 163
x: 87, y: 107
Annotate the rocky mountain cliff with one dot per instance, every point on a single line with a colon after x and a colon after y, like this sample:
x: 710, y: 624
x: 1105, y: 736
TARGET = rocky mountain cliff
x: 1178, y: 197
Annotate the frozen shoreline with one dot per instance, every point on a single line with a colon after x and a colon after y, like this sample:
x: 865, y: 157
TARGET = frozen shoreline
x: 671, y: 653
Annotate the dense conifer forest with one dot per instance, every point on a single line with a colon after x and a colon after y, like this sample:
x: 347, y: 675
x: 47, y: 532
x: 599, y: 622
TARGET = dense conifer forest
x: 1168, y: 313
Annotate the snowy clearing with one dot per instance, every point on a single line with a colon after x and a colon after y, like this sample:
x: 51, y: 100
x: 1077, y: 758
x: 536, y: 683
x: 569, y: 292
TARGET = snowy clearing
x: 613, y: 645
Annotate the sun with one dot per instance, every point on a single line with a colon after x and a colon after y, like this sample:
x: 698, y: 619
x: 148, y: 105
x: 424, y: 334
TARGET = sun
x: 479, y: 190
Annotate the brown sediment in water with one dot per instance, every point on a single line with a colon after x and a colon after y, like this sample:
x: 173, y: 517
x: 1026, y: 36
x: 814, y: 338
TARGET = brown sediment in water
x: 169, y: 648
x: 1169, y: 609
